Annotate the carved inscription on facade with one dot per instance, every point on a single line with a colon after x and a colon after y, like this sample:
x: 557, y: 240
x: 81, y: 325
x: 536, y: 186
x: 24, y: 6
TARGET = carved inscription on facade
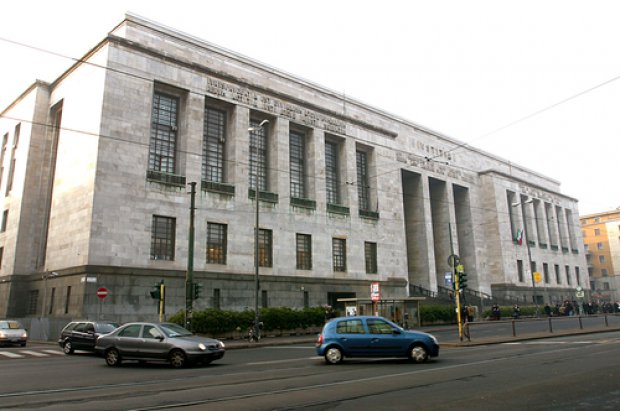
x: 277, y: 107
x: 417, y: 161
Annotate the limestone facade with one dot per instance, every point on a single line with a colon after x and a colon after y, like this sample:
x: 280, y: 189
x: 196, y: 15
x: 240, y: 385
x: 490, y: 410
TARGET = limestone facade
x: 89, y: 180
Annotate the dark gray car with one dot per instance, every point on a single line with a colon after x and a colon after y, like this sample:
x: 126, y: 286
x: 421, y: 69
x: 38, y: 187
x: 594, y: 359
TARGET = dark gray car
x: 82, y: 335
x: 166, y: 342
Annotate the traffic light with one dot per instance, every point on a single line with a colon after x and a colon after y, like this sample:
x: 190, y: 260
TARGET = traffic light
x: 156, y: 292
x: 462, y: 280
x: 197, y: 290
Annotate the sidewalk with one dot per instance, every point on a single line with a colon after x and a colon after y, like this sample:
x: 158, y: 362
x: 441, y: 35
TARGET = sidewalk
x: 444, y: 340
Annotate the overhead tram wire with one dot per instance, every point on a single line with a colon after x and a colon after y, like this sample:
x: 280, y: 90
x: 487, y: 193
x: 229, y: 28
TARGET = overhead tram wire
x: 533, y: 114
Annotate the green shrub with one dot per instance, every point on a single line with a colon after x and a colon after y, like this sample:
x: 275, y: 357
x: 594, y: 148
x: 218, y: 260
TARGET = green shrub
x: 430, y: 314
x: 214, y: 321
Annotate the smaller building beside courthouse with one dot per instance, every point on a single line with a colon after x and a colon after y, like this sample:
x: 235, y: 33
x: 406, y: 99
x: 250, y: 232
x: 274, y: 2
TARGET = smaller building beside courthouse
x: 601, y: 237
x: 96, y: 168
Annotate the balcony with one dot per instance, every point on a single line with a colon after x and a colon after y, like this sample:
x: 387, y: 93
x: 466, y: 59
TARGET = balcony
x: 220, y: 188
x: 165, y: 178
x: 265, y: 196
x: 303, y: 203
x: 337, y: 209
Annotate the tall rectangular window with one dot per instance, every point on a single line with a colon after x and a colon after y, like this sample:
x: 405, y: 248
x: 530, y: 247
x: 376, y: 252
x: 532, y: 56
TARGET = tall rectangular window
x: 567, y: 269
x: 258, y: 156
x: 164, y: 125
x: 52, y: 298
x: 265, y: 248
x: 67, y: 299
x: 331, y: 173
x: 33, y: 298
x: 9, y: 183
x: 546, y: 272
x: 577, y: 276
x: 520, y: 270
x: 5, y: 142
x: 5, y: 219
x: 216, y: 298
x: 370, y: 255
x: 363, y: 189
x: 339, y: 254
x: 1, y: 255
x: 304, y: 252
x: 216, y: 243
x: 264, y: 299
x: 214, y: 140
x: 162, y: 238
x: 297, y: 166
x: 558, y: 277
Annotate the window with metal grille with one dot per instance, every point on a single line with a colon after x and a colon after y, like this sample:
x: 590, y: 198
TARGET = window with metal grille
x: 216, y: 243
x: 163, y: 145
x: 331, y: 173
x: 339, y: 254
x: 546, y: 272
x: 297, y: 166
x: 216, y: 298
x: 9, y: 183
x: 162, y: 238
x: 264, y: 299
x: 67, y: 299
x: 258, y: 156
x: 577, y: 276
x: 33, y: 298
x: 214, y: 140
x: 558, y: 277
x: 265, y: 248
x: 567, y: 269
x: 363, y: 192
x: 304, y: 252
x: 370, y: 253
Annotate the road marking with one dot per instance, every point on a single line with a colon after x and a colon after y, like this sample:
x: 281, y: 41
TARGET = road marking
x: 283, y: 361
x: 34, y: 353
x: 11, y: 354
x: 57, y: 352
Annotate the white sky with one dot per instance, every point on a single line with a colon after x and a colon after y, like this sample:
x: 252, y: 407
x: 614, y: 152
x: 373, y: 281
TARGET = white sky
x: 463, y: 68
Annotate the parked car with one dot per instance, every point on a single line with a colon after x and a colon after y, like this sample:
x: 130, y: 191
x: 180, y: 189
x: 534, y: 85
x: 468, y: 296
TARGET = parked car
x: 13, y: 332
x: 370, y: 336
x: 82, y: 335
x: 166, y: 342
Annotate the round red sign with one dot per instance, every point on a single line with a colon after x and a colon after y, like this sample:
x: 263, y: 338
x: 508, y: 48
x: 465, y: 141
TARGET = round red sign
x: 102, y: 292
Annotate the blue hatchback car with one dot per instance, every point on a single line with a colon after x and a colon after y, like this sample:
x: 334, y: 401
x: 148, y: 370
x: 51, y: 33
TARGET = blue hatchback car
x: 370, y: 336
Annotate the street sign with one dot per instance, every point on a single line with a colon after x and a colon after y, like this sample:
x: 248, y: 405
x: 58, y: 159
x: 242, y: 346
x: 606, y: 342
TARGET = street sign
x: 537, y: 276
x: 375, y: 294
x: 102, y: 292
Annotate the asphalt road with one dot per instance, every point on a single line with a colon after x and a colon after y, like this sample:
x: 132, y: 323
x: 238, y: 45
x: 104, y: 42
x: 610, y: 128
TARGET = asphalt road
x: 575, y: 373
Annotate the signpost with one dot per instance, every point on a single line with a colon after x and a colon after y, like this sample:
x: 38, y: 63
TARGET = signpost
x: 102, y: 293
x: 375, y: 296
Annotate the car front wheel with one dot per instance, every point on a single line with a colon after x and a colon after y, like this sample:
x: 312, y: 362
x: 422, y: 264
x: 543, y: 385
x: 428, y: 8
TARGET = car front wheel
x: 177, y: 358
x: 67, y: 348
x: 418, y: 354
x: 113, y: 357
x: 333, y: 355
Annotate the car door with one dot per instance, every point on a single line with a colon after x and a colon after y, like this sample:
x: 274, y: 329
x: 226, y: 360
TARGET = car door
x: 154, y: 343
x: 78, y: 336
x: 385, y: 339
x: 128, y: 341
x: 352, y: 336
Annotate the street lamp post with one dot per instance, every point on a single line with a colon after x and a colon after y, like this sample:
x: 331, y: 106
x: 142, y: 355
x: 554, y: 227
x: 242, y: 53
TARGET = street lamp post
x: 255, y: 326
x: 529, y: 253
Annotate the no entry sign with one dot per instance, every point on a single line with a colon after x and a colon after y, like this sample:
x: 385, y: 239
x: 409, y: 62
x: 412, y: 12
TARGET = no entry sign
x: 102, y: 292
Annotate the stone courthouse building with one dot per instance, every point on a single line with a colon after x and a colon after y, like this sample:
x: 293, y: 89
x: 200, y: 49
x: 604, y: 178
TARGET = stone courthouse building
x: 96, y: 173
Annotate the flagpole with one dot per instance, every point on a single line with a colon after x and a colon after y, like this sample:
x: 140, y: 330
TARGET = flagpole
x: 529, y: 253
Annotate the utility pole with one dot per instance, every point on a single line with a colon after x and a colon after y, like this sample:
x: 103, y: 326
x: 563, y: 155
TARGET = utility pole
x: 454, y: 262
x: 189, y: 276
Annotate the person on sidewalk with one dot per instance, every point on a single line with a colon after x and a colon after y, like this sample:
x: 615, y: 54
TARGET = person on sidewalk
x: 516, y: 312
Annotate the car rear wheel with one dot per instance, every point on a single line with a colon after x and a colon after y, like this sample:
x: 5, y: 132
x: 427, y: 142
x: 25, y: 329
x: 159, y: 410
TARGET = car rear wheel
x: 418, y: 354
x: 67, y: 347
x: 113, y: 357
x: 177, y: 358
x: 333, y: 355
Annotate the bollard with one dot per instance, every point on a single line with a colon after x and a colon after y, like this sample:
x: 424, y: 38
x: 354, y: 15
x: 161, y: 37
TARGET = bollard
x: 580, y: 323
x: 514, y: 329
x: 550, y: 326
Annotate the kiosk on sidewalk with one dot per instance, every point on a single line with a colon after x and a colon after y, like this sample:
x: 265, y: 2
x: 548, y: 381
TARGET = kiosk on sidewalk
x: 403, y: 311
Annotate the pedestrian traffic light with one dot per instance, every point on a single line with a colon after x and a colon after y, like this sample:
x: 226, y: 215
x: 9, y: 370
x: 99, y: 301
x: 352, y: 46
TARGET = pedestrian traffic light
x: 197, y: 290
x: 156, y: 292
x: 462, y: 280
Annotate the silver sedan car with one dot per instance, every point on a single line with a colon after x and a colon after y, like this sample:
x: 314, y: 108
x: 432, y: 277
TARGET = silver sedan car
x: 13, y: 332
x: 165, y: 342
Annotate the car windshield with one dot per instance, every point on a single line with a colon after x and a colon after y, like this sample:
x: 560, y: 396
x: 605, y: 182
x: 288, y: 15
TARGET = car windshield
x: 106, y: 327
x: 10, y: 325
x: 174, y: 330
